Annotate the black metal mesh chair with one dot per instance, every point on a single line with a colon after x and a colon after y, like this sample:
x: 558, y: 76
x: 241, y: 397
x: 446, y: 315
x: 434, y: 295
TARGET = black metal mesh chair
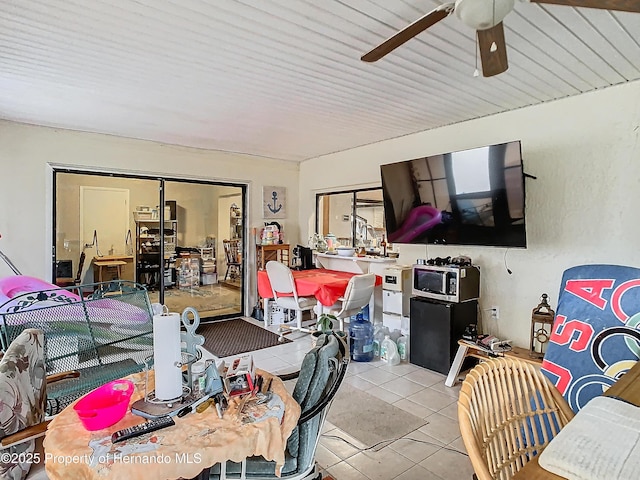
x: 105, y: 336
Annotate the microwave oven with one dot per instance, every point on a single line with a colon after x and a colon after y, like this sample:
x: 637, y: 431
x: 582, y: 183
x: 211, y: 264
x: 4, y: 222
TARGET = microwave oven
x: 447, y: 283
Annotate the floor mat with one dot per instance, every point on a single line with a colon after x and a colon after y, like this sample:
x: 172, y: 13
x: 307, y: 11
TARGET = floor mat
x: 232, y: 337
x: 383, y: 421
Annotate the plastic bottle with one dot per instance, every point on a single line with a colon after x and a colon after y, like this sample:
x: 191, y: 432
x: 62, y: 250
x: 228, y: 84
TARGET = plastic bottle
x: 393, y: 358
x: 395, y: 335
x: 388, y: 350
x: 403, y: 348
x: 379, y: 332
x: 361, y: 344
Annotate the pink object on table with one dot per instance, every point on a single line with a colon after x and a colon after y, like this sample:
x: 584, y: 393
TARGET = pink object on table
x: 419, y: 220
x: 104, y: 406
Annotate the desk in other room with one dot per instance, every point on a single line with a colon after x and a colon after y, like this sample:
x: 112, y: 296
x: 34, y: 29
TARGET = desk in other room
x: 104, y: 268
x: 196, y: 442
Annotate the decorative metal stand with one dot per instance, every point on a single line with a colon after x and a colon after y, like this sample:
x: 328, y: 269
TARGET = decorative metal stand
x: 150, y: 406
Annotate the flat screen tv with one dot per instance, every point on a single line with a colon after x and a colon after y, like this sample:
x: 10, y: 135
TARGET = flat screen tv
x: 470, y: 197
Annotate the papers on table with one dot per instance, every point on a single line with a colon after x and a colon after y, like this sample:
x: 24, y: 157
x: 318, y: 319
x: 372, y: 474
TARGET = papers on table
x: 601, y: 442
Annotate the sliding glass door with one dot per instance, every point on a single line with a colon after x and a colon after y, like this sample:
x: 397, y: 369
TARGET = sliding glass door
x: 197, y: 269
x: 112, y: 226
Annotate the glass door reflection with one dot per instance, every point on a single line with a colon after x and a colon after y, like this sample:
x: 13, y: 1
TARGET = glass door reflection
x: 197, y: 271
x: 110, y: 226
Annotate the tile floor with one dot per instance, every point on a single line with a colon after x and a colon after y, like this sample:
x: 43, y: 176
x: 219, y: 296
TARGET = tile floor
x: 438, y: 453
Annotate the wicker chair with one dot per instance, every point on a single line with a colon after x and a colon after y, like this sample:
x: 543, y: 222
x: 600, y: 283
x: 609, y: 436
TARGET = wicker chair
x: 508, y: 412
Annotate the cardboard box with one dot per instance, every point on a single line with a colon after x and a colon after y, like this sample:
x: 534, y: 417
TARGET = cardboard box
x: 142, y: 215
x: 276, y: 315
x: 240, y: 376
x: 208, y: 278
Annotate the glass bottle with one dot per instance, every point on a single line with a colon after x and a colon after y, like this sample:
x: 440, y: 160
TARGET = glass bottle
x: 331, y: 242
x: 322, y: 245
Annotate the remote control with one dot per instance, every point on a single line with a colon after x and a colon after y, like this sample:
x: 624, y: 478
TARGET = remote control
x: 146, y: 427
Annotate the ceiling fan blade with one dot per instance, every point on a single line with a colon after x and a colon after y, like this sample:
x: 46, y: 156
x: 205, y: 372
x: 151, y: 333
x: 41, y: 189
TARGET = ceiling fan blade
x: 621, y: 5
x: 493, y: 62
x: 407, y: 33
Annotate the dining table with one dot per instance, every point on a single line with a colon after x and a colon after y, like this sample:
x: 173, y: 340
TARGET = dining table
x: 326, y: 285
x: 187, y: 449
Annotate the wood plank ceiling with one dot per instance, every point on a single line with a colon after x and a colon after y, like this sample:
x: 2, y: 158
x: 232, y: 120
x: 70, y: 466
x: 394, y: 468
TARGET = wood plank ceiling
x: 282, y: 78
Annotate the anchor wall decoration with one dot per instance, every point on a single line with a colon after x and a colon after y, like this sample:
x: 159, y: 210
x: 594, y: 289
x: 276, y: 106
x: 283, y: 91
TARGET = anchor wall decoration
x: 274, y: 202
x: 276, y: 207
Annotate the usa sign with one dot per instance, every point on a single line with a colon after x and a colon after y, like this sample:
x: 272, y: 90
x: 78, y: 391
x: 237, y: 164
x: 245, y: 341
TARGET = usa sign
x: 596, y: 336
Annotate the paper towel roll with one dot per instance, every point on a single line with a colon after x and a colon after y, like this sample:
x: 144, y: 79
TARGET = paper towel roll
x: 166, y: 356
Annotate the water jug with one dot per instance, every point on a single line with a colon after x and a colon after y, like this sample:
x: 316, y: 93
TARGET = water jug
x: 395, y: 335
x: 393, y: 358
x: 403, y: 348
x: 389, y: 351
x: 379, y: 333
x: 361, y: 344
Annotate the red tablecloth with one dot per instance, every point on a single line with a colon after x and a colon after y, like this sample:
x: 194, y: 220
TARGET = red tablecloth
x: 326, y: 285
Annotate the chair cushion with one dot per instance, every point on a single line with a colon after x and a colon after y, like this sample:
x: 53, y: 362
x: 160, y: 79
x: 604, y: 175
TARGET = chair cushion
x: 301, y: 389
x: 326, y: 369
x: 596, y: 333
x: 22, y: 396
x: 316, y: 377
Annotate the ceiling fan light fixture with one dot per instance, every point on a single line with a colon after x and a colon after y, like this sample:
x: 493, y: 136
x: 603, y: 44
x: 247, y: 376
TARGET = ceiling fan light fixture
x: 482, y: 14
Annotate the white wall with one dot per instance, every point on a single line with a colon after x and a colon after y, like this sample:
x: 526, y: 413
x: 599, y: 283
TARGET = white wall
x: 26, y: 153
x: 582, y: 208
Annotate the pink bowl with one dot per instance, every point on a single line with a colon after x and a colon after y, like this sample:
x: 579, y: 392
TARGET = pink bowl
x: 105, y: 405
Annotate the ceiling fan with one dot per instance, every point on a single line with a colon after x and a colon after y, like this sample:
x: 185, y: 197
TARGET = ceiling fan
x: 485, y: 16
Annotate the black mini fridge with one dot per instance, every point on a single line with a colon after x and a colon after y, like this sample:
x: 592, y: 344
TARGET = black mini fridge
x: 435, y: 328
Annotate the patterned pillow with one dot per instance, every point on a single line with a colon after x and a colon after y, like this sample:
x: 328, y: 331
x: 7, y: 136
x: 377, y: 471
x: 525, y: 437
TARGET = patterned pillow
x: 22, y: 398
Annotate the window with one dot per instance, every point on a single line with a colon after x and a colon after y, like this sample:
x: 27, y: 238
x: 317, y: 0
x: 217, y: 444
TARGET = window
x: 355, y: 217
x: 471, y: 171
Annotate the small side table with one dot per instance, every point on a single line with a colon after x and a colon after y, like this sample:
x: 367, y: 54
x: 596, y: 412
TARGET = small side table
x: 278, y: 252
x: 469, y: 349
x: 117, y: 264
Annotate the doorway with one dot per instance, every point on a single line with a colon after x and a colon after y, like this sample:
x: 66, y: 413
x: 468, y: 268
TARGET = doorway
x: 176, y: 252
